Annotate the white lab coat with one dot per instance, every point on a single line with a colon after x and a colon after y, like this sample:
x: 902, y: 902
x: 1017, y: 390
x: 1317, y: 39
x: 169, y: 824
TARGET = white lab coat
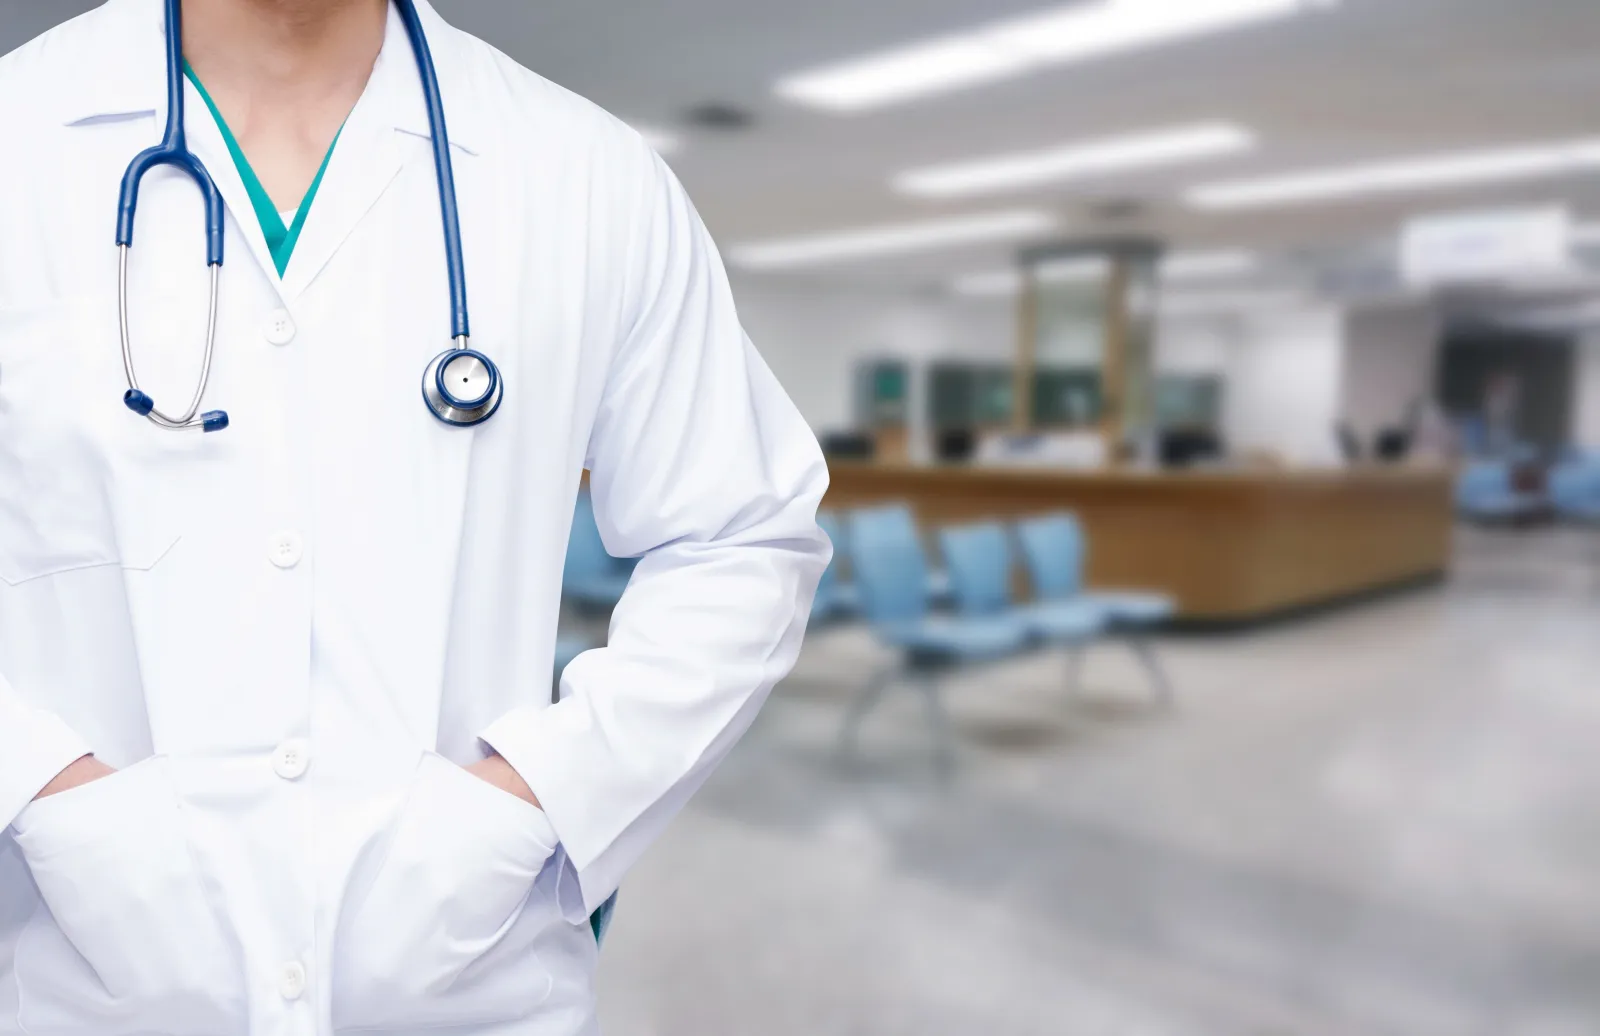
x: 290, y: 634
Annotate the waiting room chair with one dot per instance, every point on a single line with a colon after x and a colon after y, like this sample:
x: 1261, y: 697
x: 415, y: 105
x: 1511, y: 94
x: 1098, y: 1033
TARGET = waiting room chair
x: 1486, y: 491
x: 1053, y: 547
x: 1575, y: 489
x: 979, y: 558
x: 836, y: 599
x: 892, y: 573
x: 568, y: 647
x: 593, y: 580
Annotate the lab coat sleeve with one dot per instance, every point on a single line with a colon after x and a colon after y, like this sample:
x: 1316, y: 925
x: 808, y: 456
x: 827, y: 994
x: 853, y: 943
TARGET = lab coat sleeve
x: 35, y: 746
x: 701, y: 466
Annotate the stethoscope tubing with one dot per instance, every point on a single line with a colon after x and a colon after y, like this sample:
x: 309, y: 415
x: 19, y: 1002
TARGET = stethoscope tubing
x: 443, y: 169
x: 188, y: 418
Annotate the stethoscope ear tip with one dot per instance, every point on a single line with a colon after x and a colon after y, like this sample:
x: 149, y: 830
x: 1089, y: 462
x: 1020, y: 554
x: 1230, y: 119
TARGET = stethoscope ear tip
x: 144, y: 406
x: 138, y: 402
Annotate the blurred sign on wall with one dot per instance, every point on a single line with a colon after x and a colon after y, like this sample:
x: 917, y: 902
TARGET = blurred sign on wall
x: 1475, y: 247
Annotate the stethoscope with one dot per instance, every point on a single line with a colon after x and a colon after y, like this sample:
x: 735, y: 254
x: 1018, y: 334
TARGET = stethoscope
x: 461, y: 386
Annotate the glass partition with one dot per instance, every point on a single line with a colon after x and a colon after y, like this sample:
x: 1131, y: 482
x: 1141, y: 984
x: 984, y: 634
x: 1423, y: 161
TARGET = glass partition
x: 1086, y: 332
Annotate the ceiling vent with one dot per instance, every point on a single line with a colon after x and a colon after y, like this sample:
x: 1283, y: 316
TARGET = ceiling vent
x: 723, y: 118
x: 1117, y: 210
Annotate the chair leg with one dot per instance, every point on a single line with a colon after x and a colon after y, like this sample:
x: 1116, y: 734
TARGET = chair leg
x: 865, y: 702
x: 944, y: 748
x: 1075, y: 657
x: 1145, y: 652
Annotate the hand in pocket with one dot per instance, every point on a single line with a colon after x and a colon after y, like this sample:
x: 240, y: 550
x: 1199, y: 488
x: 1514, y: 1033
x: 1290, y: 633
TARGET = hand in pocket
x: 84, y: 771
x: 435, y: 939
x: 133, y: 942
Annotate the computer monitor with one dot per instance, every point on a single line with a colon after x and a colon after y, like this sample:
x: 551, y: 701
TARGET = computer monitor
x: 956, y: 445
x: 1182, y: 447
x: 849, y: 445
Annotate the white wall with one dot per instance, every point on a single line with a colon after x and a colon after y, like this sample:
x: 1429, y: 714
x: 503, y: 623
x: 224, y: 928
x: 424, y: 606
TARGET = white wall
x: 813, y: 338
x: 1586, y: 400
x: 1390, y: 355
x: 1195, y: 345
x: 1281, y: 370
x: 1284, y: 381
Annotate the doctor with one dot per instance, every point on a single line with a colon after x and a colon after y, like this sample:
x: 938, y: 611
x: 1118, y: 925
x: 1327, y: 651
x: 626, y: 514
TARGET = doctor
x: 277, y: 754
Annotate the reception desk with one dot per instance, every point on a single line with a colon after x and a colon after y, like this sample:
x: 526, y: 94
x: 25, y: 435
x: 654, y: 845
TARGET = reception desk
x: 1230, y: 546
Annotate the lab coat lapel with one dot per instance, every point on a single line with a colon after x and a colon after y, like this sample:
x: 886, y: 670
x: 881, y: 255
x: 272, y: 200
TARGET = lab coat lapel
x: 366, y: 160
x: 130, y: 83
x: 206, y: 144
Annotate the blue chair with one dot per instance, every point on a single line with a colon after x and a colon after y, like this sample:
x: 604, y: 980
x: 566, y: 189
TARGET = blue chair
x: 980, y: 562
x: 835, y: 598
x: 593, y: 580
x: 568, y: 647
x: 892, y: 574
x: 1053, y: 547
x: 1486, y: 492
x: 1575, y: 489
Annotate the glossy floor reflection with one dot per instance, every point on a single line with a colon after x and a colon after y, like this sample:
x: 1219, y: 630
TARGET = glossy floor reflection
x: 1381, y: 821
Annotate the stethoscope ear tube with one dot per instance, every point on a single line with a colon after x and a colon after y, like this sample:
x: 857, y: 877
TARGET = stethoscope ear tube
x: 139, y: 401
x: 174, y: 151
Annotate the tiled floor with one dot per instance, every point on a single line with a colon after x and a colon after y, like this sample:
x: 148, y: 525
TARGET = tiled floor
x: 1382, y: 821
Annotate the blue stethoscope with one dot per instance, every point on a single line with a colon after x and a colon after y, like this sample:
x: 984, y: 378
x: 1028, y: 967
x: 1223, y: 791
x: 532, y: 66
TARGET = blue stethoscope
x: 461, y: 386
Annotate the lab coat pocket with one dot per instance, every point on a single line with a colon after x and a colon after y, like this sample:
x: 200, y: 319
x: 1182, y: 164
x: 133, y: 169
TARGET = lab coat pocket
x: 133, y: 940
x: 79, y: 485
x: 444, y: 934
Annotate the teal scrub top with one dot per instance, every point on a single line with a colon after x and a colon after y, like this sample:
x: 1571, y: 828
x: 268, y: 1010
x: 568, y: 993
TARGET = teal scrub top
x: 280, y: 238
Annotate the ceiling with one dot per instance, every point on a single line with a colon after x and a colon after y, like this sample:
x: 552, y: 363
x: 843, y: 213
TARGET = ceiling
x: 1368, y: 79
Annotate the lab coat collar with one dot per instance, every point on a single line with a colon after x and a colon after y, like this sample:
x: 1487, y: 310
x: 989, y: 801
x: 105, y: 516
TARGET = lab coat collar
x: 129, y: 76
x: 126, y: 38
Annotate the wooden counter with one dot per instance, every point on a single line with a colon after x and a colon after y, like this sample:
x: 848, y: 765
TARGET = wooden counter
x: 1231, y: 546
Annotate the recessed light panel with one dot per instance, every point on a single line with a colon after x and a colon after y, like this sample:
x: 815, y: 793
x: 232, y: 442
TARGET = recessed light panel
x: 1079, y: 160
x: 1429, y: 172
x: 1011, y: 47
x: 890, y: 239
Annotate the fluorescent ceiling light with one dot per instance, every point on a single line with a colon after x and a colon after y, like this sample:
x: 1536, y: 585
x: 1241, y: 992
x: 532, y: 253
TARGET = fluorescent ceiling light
x: 1461, y: 169
x: 1213, y: 302
x: 1083, y: 270
x: 988, y: 284
x: 1002, y: 49
x: 1076, y: 161
x: 1203, y: 265
x: 662, y: 142
x: 890, y: 239
x: 1176, y: 266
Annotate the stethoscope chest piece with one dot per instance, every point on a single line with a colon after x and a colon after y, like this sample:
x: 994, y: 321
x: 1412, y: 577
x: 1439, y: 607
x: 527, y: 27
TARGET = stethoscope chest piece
x: 462, y: 387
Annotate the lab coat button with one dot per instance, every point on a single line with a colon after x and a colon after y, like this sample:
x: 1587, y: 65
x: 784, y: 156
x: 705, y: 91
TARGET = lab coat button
x: 292, y: 980
x: 292, y: 759
x: 280, y: 329
x: 285, y: 549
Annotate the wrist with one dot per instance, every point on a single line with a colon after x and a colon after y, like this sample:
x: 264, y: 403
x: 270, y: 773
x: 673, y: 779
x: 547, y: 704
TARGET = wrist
x: 81, y: 771
x: 496, y: 771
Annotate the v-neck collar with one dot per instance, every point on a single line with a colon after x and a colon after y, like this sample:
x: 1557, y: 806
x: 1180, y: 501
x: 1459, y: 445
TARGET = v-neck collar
x: 280, y: 238
x: 387, y: 130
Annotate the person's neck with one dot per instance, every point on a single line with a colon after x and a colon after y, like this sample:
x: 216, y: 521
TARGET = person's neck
x: 285, y: 75
x: 286, y: 49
